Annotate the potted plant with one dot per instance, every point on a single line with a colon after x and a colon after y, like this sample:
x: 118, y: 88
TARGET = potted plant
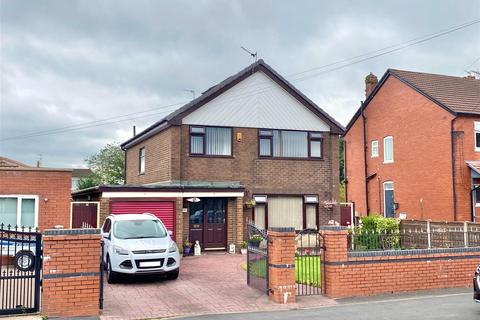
x: 255, y: 240
x: 243, y: 248
x: 250, y: 203
x: 187, y: 246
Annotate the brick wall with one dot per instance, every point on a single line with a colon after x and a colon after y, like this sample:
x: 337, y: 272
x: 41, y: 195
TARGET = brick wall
x: 52, y: 187
x: 71, y: 277
x: 421, y: 171
x: 349, y: 274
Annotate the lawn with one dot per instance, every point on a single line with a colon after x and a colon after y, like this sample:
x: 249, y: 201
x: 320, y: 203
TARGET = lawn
x: 307, y: 270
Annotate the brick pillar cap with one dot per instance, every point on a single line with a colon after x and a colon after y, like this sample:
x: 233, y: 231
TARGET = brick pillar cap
x: 281, y: 229
x: 333, y: 228
x: 64, y: 232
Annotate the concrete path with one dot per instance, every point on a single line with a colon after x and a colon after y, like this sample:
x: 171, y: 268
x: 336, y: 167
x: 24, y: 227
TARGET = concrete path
x: 209, y: 284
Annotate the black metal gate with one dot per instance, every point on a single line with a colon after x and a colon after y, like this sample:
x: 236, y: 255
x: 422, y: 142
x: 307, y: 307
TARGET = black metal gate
x: 257, y: 258
x: 20, y: 265
x: 308, y: 262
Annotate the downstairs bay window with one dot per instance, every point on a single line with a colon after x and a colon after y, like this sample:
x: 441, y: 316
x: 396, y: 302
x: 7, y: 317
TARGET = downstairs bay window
x: 299, y: 212
x: 19, y: 210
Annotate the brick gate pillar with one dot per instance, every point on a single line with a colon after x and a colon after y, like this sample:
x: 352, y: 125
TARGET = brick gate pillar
x: 335, y: 240
x: 71, y: 273
x: 281, y: 264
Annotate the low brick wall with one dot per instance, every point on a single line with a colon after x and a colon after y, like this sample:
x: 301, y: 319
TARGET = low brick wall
x: 71, y: 275
x: 360, y: 273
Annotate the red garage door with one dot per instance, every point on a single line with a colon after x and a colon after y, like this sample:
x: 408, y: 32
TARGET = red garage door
x: 165, y: 210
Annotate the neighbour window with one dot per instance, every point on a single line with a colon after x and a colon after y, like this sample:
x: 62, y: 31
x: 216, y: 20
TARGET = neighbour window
x: 289, y: 144
x: 141, y: 157
x: 477, y: 136
x: 374, y: 148
x: 212, y: 141
x: 19, y: 211
x: 388, y: 149
x: 311, y: 205
x: 259, y: 216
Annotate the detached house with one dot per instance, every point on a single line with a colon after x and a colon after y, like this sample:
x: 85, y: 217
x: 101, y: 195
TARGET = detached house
x: 413, y: 147
x: 252, y: 146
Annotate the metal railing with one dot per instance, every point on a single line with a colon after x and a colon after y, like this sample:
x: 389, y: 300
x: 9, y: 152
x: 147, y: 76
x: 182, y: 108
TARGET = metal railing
x: 428, y: 236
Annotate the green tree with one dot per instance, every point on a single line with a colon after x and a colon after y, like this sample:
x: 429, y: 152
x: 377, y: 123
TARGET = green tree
x: 107, y: 165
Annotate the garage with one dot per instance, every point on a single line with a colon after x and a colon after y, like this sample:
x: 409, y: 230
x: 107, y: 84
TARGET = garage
x: 164, y: 210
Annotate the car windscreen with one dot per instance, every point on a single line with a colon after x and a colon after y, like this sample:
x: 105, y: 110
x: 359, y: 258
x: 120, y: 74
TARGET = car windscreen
x: 138, y: 229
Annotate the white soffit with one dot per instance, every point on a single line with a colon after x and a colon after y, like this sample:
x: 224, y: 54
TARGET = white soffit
x: 257, y: 102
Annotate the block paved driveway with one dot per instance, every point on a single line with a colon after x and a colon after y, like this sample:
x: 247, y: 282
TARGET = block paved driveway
x: 209, y: 284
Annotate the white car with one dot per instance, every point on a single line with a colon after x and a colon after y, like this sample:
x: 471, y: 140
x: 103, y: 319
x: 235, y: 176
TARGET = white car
x: 138, y: 244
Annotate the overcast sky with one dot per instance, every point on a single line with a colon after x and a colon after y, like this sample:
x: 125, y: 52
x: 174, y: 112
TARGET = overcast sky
x: 68, y: 62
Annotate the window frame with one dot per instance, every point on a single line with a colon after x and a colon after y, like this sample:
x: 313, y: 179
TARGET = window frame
x: 384, y: 149
x: 140, y: 158
x: 376, y: 154
x: 204, y: 137
x: 305, y: 203
x: 20, y: 197
x: 309, y: 140
x: 475, y: 131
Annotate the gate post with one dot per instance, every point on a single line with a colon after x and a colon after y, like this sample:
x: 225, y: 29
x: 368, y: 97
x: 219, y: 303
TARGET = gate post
x: 335, y: 239
x: 281, y: 264
x: 71, y: 277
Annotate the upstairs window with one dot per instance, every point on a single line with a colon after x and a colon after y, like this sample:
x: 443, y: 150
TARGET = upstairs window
x: 141, y: 160
x: 388, y: 149
x: 211, y: 141
x: 374, y: 148
x: 290, y: 144
x: 477, y: 135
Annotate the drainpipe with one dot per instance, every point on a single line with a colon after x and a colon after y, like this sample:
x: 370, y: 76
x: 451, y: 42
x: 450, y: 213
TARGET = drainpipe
x: 365, y: 157
x: 345, y: 180
x: 453, y: 171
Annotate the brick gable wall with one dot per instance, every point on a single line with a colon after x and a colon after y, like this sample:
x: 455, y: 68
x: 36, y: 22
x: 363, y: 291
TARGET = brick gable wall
x: 55, y: 186
x: 421, y: 171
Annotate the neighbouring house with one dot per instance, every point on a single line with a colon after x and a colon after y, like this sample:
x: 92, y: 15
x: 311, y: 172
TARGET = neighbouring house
x: 413, y: 147
x: 251, y: 147
x: 34, y: 196
x: 77, y: 174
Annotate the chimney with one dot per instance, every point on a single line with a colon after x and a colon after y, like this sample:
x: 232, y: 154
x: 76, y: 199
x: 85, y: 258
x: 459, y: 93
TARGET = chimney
x: 370, y: 82
x: 38, y: 163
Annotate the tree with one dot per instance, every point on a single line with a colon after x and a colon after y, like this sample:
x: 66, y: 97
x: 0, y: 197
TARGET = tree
x: 107, y: 165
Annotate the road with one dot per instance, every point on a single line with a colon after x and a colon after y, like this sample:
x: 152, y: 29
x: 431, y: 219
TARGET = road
x: 441, y: 304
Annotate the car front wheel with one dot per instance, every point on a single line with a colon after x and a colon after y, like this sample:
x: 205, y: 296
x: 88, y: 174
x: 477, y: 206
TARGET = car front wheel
x: 24, y: 261
x: 112, y: 277
x: 172, y: 275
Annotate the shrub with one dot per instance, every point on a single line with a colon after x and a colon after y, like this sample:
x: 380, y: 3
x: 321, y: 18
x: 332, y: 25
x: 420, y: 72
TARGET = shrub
x: 377, y: 223
x: 377, y: 233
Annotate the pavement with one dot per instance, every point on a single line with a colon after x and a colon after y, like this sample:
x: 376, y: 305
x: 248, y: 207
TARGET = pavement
x: 425, y: 305
x: 208, y: 284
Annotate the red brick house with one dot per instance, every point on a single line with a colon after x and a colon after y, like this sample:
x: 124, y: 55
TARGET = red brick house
x: 251, y: 137
x: 413, y: 147
x: 34, y: 196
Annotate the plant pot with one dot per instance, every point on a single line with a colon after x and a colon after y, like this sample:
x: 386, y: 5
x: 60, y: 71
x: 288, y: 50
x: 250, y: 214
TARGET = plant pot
x: 243, y: 251
x: 186, y: 251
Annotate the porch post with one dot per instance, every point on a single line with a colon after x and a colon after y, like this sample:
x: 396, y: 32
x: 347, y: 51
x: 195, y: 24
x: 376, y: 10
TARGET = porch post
x: 239, y: 222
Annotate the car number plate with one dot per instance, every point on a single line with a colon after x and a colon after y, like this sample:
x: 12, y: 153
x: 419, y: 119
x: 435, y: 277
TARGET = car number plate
x: 149, y: 264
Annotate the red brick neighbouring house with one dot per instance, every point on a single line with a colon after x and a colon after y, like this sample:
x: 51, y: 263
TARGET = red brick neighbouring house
x: 34, y: 196
x: 413, y: 147
x: 251, y: 137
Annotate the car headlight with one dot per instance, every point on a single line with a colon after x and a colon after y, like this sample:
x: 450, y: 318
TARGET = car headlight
x: 173, y: 248
x: 120, y: 251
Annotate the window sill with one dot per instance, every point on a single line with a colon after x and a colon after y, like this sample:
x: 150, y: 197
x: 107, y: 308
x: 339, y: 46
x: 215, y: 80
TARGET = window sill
x: 375, y: 156
x: 209, y: 156
x: 141, y: 174
x: 286, y: 158
x: 387, y: 162
x: 477, y: 205
x: 477, y: 150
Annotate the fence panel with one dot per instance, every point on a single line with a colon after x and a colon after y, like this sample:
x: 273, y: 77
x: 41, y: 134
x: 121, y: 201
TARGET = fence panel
x: 257, y: 258
x: 20, y: 265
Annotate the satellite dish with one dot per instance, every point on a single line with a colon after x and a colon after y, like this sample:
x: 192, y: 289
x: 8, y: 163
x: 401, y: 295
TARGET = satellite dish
x: 193, y: 199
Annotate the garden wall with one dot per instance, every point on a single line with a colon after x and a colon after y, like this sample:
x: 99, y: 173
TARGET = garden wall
x: 361, y: 273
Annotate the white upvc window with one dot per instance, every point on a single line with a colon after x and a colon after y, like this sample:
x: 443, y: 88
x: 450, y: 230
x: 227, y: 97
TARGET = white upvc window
x: 374, y: 148
x: 477, y: 135
x: 19, y: 210
x: 388, y: 149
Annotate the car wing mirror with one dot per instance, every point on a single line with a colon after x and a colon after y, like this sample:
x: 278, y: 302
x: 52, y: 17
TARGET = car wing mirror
x: 170, y: 233
x: 106, y: 235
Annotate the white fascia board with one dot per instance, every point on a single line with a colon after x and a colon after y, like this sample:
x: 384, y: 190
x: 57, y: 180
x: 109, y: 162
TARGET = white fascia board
x: 171, y: 194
